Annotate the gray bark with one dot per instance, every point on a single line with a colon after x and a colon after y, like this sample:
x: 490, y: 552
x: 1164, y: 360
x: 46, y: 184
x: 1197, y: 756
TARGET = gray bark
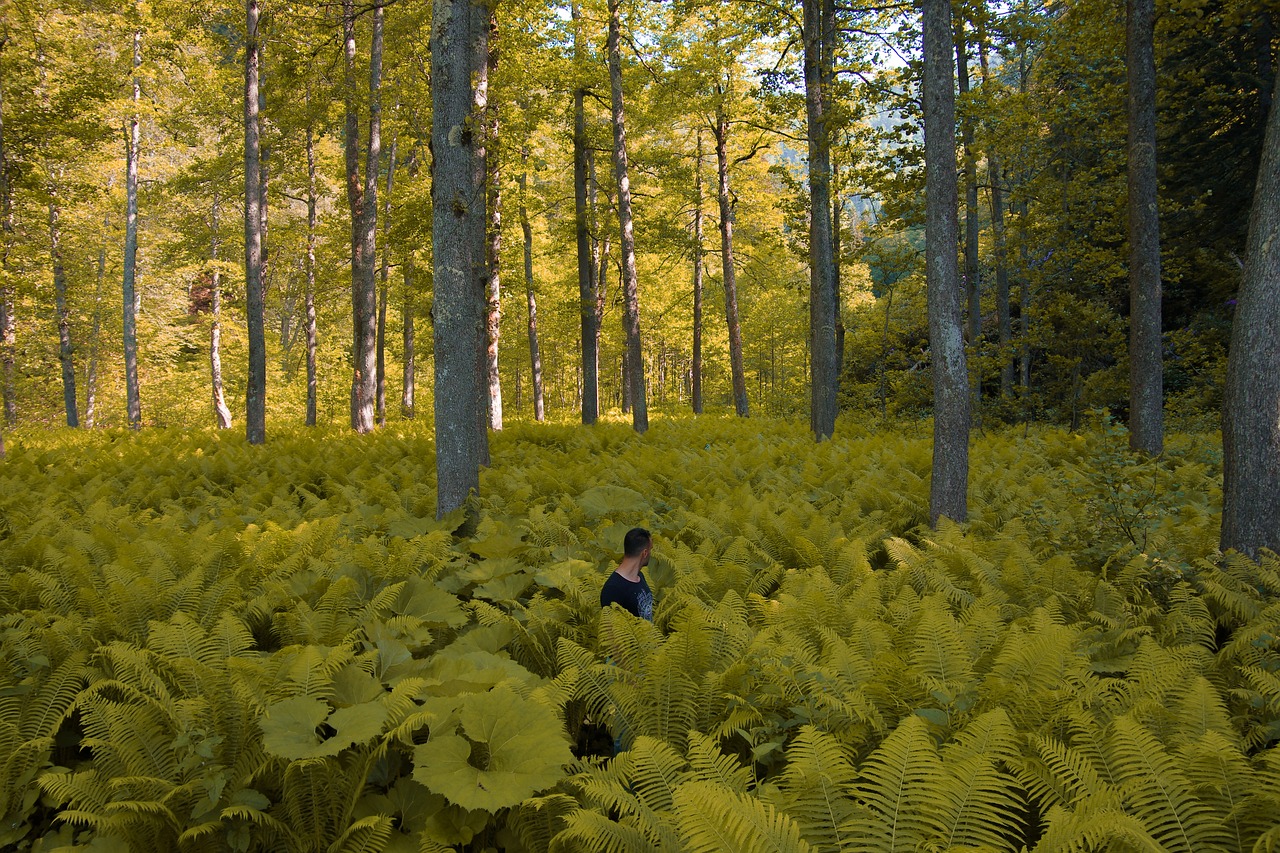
x: 133, y: 398
x: 221, y: 413
x: 384, y: 277
x: 365, y: 378
x: 95, y: 336
x: 355, y: 204
x: 726, y: 265
x: 535, y: 356
x: 1146, y: 372
x: 493, y: 247
x: 824, y: 380
x: 697, y: 280
x: 256, y: 388
x: 1251, y: 404
x: 310, y: 297
x: 63, y: 316
x: 459, y: 94
x: 949, y: 483
x: 8, y: 325
x: 587, y: 281
x: 409, y: 378
x: 630, y: 284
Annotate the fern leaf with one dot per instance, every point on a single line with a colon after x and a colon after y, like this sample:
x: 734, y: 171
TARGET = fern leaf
x: 897, y: 783
x: 367, y: 835
x: 816, y: 787
x: 716, y: 820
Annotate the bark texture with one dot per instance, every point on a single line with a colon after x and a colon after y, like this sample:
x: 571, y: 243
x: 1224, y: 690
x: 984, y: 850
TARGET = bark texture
x: 221, y: 413
x: 8, y: 324
x: 133, y: 397
x: 696, y: 392
x: 256, y: 389
x: 535, y: 355
x: 587, y: 281
x: 736, y: 370
x: 459, y: 93
x: 630, y: 283
x: 949, y: 483
x: 1146, y: 371
x: 825, y: 359
x: 1251, y: 403
x: 63, y: 315
x: 493, y: 246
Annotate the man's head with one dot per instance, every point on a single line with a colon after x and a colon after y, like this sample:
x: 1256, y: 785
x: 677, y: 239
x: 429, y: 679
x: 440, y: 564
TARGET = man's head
x: 637, y: 543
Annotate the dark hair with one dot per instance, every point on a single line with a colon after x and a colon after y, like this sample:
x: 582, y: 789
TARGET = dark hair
x: 636, y: 540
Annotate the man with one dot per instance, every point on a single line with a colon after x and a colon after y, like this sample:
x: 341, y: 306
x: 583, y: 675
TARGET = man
x: 627, y: 587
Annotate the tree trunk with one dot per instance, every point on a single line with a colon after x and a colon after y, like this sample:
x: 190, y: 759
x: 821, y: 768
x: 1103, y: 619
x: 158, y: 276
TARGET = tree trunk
x: 630, y: 285
x: 1146, y: 381
x: 63, y: 315
x: 1251, y: 404
x: 535, y: 357
x: 95, y: 337
x: 355, y: 202
x: 133, y: 398
x: 1000, y: 241
x: 221, y: 413
x: 493, y: 257
x: 312, y: 221
x: 587, y: 288
x: 949, y: 483
x: 726, y: 263
x: 409, y: 379
x: 459, y: 93
x: 973, y: 284
x: 256, y: 389
x: 8, y: 325
x: 383, y: 287
x: 365, y: 378
x: 822, y: 298
x: 696, y: 392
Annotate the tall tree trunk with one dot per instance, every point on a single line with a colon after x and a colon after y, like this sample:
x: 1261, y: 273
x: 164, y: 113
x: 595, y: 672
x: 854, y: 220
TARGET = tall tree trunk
x: 312, y: 221
x: 63, y: 315
x: 383, y: 286
x: 95, y: 337
x: 493, y: 257
x: 972, y: 281
x: 256, y: 389
x: 697, y: 280
x: 355, y: 203
x: 8, y: 324
x: 1146, y: 372
x: 949, y: 484
x: 822, y: 298
x: 726, y: 263
x: 630, y: 285
x: 409, y: 379
x: 587, y: 287
x: 365, y: 379
x: 459, y: 94
x: 535, y: 357
x: 1251, y: 404
x: 999, y: 239
x: 133, y: 398
x: 221, y: 413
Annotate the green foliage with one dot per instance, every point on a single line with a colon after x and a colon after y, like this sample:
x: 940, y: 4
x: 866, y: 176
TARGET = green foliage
x: 212, y: 646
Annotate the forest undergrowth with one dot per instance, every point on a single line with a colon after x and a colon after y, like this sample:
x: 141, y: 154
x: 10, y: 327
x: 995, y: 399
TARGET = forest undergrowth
x: 212, y: 646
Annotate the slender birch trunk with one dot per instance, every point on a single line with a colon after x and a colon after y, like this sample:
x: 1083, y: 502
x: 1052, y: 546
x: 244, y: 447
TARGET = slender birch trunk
x: 409, y: 378
x: 630, y: 284
x: 256, y: 388
x: 133, y: 398
x: 8, y: 323
x: 355, y: 204
x: 696, y: 392
x: 62, y: 315
x: 221, y: 413
x: 727, y: 263
x: 310, y: 297
x: 91, y: 370
x: 365, y: 380
x: 493, y: 255
x: 383, y: 287
x: 949, y: 483
x: 535, y: 357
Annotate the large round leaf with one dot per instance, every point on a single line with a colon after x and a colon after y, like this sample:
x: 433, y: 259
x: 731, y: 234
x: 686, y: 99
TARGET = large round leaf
x: 506, y: 749
x: 292, y: 729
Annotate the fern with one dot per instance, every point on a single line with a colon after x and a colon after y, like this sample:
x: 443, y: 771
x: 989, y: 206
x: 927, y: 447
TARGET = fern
x: 715, y: 820
x: 897, y: 783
